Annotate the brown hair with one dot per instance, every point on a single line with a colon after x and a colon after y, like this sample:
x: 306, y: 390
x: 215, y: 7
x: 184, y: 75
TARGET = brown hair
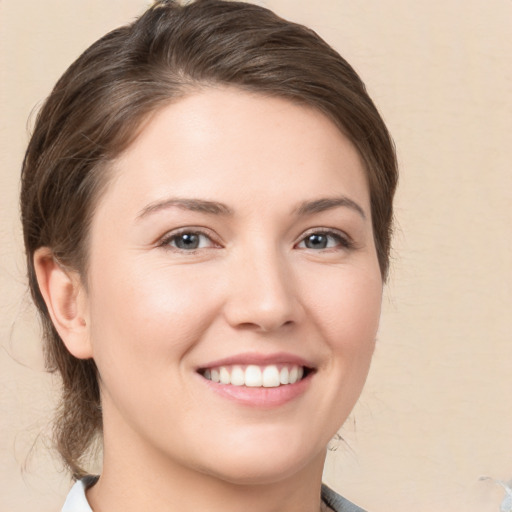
x: 98, y: 106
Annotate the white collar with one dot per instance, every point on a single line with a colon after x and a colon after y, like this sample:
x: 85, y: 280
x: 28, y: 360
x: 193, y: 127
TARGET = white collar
x: 76, y: 500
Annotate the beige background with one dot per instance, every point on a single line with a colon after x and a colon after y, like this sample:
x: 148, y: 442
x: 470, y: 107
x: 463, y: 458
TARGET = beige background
x: 436, y: 413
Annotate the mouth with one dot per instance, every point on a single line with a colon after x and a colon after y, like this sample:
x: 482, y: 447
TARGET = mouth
x: 257, y: 376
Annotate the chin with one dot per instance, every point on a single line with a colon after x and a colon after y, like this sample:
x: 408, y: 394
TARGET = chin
x: 269, y: 461
x: 251, y: 472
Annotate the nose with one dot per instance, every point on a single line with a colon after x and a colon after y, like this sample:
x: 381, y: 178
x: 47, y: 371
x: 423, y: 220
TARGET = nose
x: 262, y: 294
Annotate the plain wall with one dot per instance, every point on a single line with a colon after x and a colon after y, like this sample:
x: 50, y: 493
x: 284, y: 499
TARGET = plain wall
x: 436, y: 412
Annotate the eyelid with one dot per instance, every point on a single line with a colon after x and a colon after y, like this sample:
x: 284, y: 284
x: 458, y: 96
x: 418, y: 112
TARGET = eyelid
x: 346, y: 242
x: 164, y: 241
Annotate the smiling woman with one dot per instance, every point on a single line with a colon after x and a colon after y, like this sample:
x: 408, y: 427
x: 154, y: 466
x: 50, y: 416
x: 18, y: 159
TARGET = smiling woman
x: 207, y: 205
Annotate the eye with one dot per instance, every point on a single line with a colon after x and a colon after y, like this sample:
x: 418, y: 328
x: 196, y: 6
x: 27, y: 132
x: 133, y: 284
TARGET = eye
x: 321, y: 240
x: 188, y: 241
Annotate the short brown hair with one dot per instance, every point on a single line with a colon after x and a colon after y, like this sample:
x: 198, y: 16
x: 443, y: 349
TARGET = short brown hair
x: 98, y: 106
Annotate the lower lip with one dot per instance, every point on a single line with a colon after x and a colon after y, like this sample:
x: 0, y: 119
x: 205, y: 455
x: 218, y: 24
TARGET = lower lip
x: 260, y: 397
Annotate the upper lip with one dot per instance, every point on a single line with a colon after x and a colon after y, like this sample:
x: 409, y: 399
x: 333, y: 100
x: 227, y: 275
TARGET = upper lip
x: 259, y: 360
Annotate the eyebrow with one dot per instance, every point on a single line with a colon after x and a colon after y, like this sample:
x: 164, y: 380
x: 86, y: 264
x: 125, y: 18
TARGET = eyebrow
x: 328, y: 203
x: 216, y: 208
x: 195, y: 205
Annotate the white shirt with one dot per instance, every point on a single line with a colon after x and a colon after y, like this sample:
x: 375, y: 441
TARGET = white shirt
x: 76, y: 500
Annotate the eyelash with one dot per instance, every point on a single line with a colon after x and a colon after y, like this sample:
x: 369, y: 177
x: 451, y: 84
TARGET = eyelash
x: 173, y: 236
x: 341, y: 240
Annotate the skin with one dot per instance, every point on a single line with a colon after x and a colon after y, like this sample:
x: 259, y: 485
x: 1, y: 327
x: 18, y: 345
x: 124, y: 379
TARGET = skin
x: 152, y: 313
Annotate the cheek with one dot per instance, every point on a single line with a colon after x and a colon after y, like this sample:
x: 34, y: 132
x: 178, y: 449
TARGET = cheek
x: 346, y: 305
x: 149, y: 317
x: 344, y: 308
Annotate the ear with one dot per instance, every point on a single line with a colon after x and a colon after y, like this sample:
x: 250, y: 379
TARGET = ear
x: 66, y: 300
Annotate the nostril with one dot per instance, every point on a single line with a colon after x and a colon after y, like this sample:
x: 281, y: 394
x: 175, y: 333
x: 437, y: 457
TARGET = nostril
x: 263, y: 325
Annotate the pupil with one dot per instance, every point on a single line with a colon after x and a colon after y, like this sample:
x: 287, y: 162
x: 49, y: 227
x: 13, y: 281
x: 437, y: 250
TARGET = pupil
x: 187, y: 241
x: 316, y: 242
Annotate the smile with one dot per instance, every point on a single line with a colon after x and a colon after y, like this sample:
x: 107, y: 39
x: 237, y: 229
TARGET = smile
x: 255, y: 376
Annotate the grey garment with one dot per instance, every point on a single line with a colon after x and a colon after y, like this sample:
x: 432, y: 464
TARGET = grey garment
x: 338, y: 503
x: 77, y: 502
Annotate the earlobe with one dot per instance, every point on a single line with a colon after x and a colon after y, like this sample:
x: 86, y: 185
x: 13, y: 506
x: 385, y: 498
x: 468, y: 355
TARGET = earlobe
x: 65, y: 299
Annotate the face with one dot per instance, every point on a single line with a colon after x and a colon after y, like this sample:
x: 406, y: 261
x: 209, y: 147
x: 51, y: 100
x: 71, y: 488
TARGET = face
x: 233, y: 289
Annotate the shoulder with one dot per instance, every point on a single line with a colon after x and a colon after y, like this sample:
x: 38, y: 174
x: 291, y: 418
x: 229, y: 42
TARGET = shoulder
x: 338, y: 503
x: 76, y: 500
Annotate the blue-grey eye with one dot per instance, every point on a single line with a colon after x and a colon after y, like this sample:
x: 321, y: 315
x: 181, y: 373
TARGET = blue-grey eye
x: 316, y: 241
x: 187, y: 241
x: 323, y: 240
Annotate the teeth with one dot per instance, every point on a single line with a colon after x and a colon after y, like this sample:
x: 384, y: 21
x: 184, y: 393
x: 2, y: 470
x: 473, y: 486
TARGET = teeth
x: 294, y: 373
x: 254, y: 376
x: 271, y: 377
x: 237, y: 376
x: 215, y: 375
x: 225, y: 378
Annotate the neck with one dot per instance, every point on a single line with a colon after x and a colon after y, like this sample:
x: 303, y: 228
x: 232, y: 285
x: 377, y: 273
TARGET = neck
x: 187, y: 491
x: 135, y: 479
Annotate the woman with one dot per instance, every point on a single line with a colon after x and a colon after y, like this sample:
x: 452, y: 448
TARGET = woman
x: 207, y: 206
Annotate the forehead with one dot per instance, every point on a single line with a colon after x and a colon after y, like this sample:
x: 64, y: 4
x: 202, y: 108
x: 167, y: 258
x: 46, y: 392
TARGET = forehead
x: 220, y: 140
